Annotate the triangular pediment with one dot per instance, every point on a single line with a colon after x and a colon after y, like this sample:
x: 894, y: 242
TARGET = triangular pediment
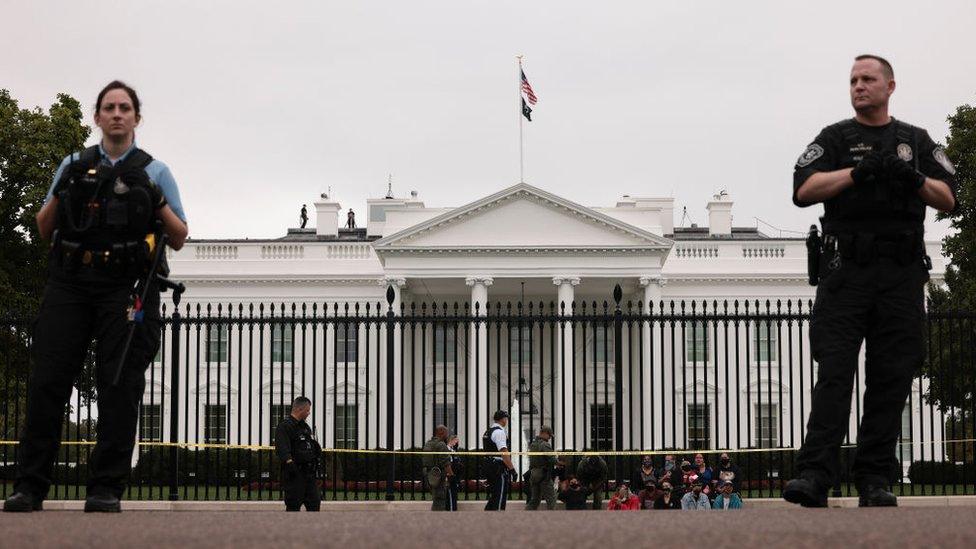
x: 522, y: 217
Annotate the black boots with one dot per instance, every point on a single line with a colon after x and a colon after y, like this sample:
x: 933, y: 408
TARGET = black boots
x: 22, y: 503
x: 876, y: 496
x: 102, y: 503
x: 805, y: 491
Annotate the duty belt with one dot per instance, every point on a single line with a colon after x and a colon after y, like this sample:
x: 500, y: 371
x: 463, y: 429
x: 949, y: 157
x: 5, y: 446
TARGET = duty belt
x: 74, y: 255
x: 864, y: 248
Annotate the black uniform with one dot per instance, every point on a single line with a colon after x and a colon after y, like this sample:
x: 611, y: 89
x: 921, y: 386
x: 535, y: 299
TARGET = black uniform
x: 98, y: 254
x: 873, y: 269
x: 499, y: 479
x: 294, y: 441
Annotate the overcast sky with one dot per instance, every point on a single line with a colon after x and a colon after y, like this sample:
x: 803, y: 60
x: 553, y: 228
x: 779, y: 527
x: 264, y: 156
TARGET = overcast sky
x: 257, y: 107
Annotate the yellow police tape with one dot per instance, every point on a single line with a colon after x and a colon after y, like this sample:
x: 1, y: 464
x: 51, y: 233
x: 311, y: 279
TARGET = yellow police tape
x: 205, y: 445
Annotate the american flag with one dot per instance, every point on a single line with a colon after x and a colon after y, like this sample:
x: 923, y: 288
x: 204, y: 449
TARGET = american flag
x: 527, y: 90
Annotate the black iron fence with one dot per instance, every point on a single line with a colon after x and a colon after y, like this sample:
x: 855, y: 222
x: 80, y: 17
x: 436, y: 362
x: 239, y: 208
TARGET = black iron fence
x: 617, y: 377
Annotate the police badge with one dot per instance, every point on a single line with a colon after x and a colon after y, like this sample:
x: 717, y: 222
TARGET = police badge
x: 813, y: 152
x: 943, y: 159
x: 905, y: 152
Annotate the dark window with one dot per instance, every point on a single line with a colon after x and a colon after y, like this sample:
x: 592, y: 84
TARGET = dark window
x: 445, y: 413
x: 150, y: 423
x: 699, y: 422
x: 278, y: 414
x: 347, y: 343
x: 445, y: 344
x: 215, y: 431
x: 347, y: 426
x: 217, y: 339
x: 521, y: 336
x: 601, y: 426
x: 282, y: 344
x: 766, y: 424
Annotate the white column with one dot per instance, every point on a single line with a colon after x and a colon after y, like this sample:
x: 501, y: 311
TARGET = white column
x: 564, y: 418
x: 477, y: 412
x: 652, y: 285
x: 398, y: 284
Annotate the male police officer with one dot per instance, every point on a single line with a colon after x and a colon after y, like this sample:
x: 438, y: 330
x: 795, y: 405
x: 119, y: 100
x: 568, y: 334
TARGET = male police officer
x: 437, y: 468
x: 540, y: 472
x: 875, y: 176
x: 501, y: 472
x: 103, y: 214
x: 299, y: 453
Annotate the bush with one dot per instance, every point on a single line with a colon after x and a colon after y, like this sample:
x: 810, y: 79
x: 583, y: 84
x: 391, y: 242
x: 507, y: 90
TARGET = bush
x: 941, y: 472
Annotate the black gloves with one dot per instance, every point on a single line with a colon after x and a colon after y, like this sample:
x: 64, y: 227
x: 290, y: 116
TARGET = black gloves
x: 870, y: 165
x: 157, y: 196
x: 904, y: 173
x: 513, y: 475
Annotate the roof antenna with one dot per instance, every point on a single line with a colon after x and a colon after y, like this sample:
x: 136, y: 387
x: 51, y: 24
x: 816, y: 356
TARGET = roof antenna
x: 389, y: 186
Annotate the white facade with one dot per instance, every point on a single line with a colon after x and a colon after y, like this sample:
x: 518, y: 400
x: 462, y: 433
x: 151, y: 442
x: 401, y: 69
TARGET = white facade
x: 521, y: 241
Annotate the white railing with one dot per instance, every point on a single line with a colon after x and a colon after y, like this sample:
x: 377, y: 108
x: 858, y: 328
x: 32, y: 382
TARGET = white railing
x: 282, y: 251
x: 696, y: 251
x: 348, y: 251
x: 752, y: 251
x: 215, y: 251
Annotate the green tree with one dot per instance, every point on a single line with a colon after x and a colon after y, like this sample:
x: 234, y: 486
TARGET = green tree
x: 952, y: 337
x: 32, y: 145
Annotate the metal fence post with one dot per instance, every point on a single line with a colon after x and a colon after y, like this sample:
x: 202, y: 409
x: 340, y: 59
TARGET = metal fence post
x: 174, y: 410
x: 618, y: 382
x: 390, y: 341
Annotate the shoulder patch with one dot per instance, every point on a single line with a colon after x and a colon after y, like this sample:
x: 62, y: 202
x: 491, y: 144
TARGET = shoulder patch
x: 813, y: 152
x: 943, y: 159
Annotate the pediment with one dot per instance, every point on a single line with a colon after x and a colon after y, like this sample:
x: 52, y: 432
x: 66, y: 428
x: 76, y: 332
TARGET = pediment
x: 522, y: 217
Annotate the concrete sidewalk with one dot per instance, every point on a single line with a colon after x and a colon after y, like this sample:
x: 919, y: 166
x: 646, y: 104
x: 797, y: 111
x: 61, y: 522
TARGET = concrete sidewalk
x: 758, y: 503
x: 743, y: 529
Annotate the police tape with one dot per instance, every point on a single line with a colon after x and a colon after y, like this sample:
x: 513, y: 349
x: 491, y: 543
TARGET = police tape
x: 666, y: 452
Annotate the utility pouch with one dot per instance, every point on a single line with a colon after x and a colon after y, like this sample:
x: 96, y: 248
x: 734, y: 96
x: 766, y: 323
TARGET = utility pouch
x: 814, y: 248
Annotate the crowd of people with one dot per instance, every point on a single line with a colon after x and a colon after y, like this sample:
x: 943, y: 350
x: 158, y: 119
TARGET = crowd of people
x: 675, y: 484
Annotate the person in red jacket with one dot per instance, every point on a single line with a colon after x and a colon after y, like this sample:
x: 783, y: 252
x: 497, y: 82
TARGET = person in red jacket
x: 623, y: 500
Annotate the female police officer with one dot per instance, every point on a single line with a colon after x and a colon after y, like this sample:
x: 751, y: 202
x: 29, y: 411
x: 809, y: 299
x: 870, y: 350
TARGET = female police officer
x: 104, y: 203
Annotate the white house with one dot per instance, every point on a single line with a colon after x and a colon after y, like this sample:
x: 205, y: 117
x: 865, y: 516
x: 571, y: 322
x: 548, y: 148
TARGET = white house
x: 724, y: 386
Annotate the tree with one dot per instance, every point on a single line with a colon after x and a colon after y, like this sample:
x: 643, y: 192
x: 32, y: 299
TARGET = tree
x: 32, y: 145
x: 952, y: 333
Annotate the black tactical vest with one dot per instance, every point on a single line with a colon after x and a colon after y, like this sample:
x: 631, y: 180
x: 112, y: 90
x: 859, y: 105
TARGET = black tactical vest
x: 878, y: 204
x: 104, y: 213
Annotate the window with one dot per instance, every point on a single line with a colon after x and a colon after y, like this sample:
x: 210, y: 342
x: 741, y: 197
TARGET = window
x: 151, y: 422
x: 764, y: 342
x: 601, y: 426
x: 445, y: 344
x: 347, y: 426
x: 217, y: 339
x: 699, y: 422
x: 603, y: 342
x: 520, y: 335
x: 444, y: 414
x: 278, y: 413
x: 215, y: 431
x: 766, y: 423
x: 282, y: 344
x: 347, y: 343
x: 904, y: 450
x: 696, y: 342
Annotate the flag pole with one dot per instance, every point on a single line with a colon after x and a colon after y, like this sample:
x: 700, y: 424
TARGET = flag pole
x: 519, y: 110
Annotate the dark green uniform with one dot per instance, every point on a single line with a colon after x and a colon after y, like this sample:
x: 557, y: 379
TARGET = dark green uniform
x: 540, y: 476
x: 435, y: 472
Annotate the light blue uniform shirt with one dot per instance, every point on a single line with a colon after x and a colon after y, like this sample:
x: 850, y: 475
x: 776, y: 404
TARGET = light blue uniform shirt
x: 156, y: 170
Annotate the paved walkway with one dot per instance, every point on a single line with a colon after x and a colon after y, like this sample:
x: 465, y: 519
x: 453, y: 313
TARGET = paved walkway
x: 762, y: 528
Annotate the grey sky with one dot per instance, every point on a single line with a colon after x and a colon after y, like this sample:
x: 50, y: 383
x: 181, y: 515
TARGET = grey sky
x: 259, y: 106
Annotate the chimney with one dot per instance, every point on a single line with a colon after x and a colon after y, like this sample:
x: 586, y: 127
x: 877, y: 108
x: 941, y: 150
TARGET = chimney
x: 720, y: 215
x: 327, y: 217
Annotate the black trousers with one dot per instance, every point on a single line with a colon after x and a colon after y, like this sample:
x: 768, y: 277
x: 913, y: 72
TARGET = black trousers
x: 498, y: 486
x: 299, y: 489
x: 73, y: 313
x: 881, y: 304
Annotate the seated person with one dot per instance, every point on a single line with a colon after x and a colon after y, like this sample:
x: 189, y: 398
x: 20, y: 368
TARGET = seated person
x: 574, y: 495
x: 726, y: 498
x: 648, y: 495
x: 668, y: 498
x: 695, y: 500
x: 623, y: 500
